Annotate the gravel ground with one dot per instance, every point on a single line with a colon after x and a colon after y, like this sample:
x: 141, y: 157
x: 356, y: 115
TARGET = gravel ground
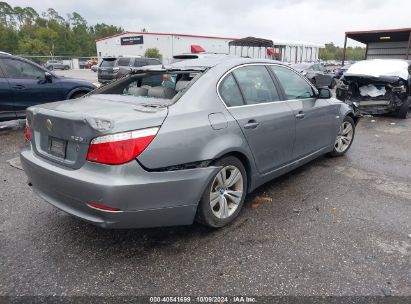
x: 337, y: 226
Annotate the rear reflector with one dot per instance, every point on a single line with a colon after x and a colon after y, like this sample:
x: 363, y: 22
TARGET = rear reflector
x: 27, y: 133
x: 102, y: 207
x: 115, y: 149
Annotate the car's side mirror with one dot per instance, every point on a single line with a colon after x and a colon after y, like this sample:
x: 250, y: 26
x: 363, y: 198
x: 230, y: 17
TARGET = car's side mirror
x: 324, y: 93
x: 48, y: 77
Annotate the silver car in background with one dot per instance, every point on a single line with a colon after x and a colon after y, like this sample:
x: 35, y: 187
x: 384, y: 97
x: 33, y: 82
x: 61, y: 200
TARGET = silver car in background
x: 140, y: 153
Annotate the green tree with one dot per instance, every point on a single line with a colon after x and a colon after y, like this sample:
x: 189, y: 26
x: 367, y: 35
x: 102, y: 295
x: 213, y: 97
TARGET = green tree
x: 24, y: 31
x: 152, y: 53
x: 6, y: 14
x: 33, y: 46
x: 332, y: 52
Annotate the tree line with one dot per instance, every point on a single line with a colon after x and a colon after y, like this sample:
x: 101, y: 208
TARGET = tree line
x: 25, y: 31
x: 332, y: 52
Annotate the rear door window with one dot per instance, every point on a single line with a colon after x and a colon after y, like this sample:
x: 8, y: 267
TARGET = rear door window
x: 123, y: 62
x: 295, y: 87
x: 153, y: 62
x: 140, y: 62
x: 20, y: 70
x: 230, y: 92
x: 256, y: 84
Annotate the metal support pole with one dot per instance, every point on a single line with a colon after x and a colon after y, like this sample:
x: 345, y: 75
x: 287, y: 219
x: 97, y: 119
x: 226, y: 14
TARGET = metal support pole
x: 345, y: 49
x: 408, y: 47
x: 366, y: 52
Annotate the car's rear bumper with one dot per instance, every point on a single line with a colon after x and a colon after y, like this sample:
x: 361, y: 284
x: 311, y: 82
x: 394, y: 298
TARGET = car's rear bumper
x: 146, y: 199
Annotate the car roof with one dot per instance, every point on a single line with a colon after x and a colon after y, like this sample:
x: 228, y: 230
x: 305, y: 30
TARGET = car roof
x: 205, y: 63
x: 208, y: 62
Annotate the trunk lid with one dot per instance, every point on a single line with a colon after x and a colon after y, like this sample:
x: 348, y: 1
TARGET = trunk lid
x: 62, y: 131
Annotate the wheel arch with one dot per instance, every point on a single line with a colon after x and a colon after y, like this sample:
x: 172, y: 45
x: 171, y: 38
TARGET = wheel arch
x: 244, y: 159
x: 77, y: 90
x: 353, y: 116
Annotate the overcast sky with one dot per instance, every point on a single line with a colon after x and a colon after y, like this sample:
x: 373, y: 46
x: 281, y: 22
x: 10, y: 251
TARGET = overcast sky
x: 319, y: 21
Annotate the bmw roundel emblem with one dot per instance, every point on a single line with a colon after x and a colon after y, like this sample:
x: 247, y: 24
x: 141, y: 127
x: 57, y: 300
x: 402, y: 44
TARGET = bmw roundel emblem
x: 49, y: 124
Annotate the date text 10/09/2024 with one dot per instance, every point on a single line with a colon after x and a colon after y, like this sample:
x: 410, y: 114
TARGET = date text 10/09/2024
x: 234, y: 299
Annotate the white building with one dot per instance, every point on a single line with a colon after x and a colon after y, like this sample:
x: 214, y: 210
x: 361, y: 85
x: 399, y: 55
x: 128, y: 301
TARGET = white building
x: 169, y: 44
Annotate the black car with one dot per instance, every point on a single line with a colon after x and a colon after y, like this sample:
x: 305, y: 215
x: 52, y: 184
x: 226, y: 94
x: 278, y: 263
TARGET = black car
x: 24, y: 83
x: 113, y: 68
x: 317, y: 74
x: 56, y: 65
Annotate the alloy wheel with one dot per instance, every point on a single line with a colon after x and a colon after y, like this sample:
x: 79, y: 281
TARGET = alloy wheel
x: 226, y: 192
x: 344, y: 137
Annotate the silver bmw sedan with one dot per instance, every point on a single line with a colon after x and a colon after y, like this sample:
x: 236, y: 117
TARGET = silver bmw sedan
x: 167, y: 145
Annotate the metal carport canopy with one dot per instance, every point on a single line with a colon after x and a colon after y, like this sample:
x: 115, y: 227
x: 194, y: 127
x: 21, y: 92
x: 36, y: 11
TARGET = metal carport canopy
x: 395, y: 35
x: 252, y: 42
x: 388, y: 35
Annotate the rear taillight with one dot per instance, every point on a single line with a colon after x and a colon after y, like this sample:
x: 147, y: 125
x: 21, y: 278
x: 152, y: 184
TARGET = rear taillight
x: 27, y: 133
x: 120, y: 148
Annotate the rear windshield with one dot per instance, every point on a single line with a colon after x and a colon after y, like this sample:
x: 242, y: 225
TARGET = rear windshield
x: 107, y: 63
x: 158, y: 85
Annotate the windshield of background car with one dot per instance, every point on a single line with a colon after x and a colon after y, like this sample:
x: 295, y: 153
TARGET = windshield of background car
x: 148, y: 85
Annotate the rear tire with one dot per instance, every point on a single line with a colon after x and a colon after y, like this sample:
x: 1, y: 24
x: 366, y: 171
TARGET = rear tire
x: 403, y: 111
x: 67, y: 67
x: 224, y: 195
x: 344, y: 137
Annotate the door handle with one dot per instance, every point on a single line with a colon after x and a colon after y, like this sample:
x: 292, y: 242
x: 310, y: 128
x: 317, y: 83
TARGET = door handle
x: 18, y: 87
x: 251, y: 124
x: 300, y: 115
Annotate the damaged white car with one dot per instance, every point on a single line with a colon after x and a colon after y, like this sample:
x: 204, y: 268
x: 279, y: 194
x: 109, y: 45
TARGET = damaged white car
x: 377, y: 86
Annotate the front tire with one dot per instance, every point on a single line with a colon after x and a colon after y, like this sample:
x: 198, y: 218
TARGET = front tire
x: 224, y: 196
x: 344, y: 138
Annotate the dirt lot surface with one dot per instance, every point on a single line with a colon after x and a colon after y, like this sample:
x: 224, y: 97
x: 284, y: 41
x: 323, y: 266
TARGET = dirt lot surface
x: 337, y: 226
